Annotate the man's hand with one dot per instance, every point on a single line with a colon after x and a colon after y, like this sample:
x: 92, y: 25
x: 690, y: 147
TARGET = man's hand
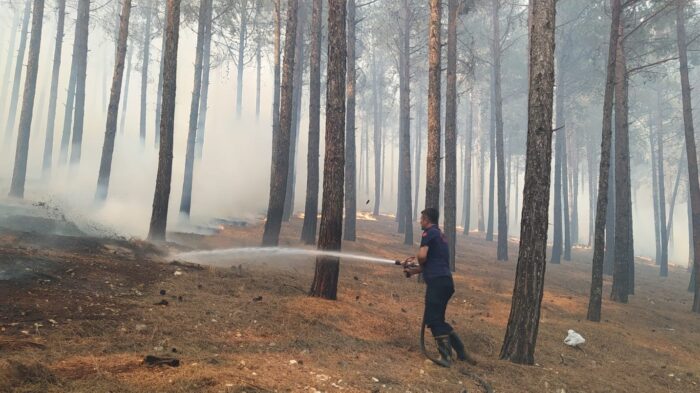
x: 410, y: 271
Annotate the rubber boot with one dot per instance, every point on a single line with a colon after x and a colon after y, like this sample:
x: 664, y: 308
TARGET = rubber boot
x: 443, y: 344
x: 458, y: 346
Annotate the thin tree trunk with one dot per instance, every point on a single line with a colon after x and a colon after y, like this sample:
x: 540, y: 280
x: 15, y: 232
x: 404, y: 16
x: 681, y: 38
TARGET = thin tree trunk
x: 574, y: 193
x: 350, y: 153
x: 661, y: 182
x: 610, y: 217
x: 8, y: 60
x: 281, y: 139
x: 159, y: 96
x: 19, y: 63
x: 146, y: 51
x: 557, y: 235
x: 565, y: 182
x: 482, y: 160
x: 258, y: 59
x: 186, y: 196
x: 405, y: 136
x: 655, y: 192
x: 276, y: 70
x: 596, y: 294
x: 159, y: 215
x: 113, y: 109
x: 325, y: 282
x: 468, y: 167
x: 418, y: 152
x: 691, y: 153
x: 432, y: 187
x: 624, y: 258
x: 81, y: 49
x: 523, y: 322
x: 377, y: 123
x: 592, y: 196
x: 53, y: 98
x: 674, y: 194
x: 516, y: 211
x: 125, y: 100
x: 450, y: 215
x: 68, y: 115
x: 204, y: 99
x: 25, y: 118
x: 308, y: 231
x: 502, y: 247
x: 242, y: 37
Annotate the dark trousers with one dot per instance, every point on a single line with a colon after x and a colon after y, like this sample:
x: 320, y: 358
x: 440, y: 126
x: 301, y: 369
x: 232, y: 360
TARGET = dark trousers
x: 438, y: 292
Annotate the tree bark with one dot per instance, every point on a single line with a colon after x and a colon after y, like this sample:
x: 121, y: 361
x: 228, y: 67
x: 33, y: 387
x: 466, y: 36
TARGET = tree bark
x: 281, y: 139
x: 146, y: 51
x: 482, y: 159
x: 113, y: 108
x: 565, y: 185
x: 308, y: 231
x: 325, y: 282
x: 242, y: 37
x: 450, y: 215
x: 68, y: 115
x: 159, y: 96
x: 691, y: 153
x: 25, y: 118
x: 202, y: 31
x: 419, y: 150
x: 19, y: 63
x: 204, y: 99
x: 624, y: 258
x: 80, y: 49
x: 557, y: 234
x: 406, y: 217
x: 502, y: 247
x: 258, y: 59
x: 276, y: 70
x: 432, y: 187
x: 125, y: 100
x: 468, y: 167
x: 8, y: 60
x: 53, y: 97
x: 159, y: 215
x: 523, y: 322
x: 350, y: 151
x: 661, y: 186
x: 655, y: 191
x: 378, y: 137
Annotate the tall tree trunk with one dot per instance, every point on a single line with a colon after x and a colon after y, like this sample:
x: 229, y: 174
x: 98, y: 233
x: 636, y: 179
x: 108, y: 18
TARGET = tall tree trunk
x: 68, y: 115
x: 350, y: 153
x: 146, y: 51
x: 592, y: 195
x: 517, y: 191
x: 159, y: 215
x: 661, y: 182
x: 523, y: 322
x: 125, y: 100
x: 482, y: 160
x: 405, y: 136
x: 565, y: 183
x: 610, y: 217
x: 450, y: 215
x: 502, y: 247
x: 113, y: 109
x: 186, y: 196
x: 258, y: 58
x: 308, y: 231
x: 377, y: 135
x: 296, y: 115
x: 19, y: 63
x: 81, y: 49
x: 655, y: 192
x: 432, y: 172
x: 596, y: 294
x: 25, y: 118
x: 468, y: 166
x: 242, y: 37
x: 691, y: 154
x: 574, y: 193
x: 276, y: 70
x: 418, y: 152
x: 281, y: 139
x: 53, y: 98
x: 557, y: 234
x: 204, y: 99
x: 8, y: 61
x: 325, y: 282
x: 159, y: 96
x: 624, y: 258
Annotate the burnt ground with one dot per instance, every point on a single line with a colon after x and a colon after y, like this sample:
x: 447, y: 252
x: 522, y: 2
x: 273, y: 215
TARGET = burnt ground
x: 79, y: 315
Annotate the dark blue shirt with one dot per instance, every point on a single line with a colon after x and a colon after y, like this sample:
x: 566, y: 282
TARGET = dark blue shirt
x: 438, y: 262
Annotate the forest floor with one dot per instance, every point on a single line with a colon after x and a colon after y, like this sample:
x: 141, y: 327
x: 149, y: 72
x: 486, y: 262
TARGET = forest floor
x: 80, y: 314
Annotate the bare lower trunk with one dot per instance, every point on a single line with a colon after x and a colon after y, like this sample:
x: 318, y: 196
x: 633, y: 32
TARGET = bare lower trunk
x: 502, y: 247
x: 281, y: 139
x: 450, y: 215
x: 159, y: 215
x: 53, y: 98
x: 655, y: 192
x: 242, y: 37
x: 308, y: 231
x: 406, y: 218
x: 204, y: 99
x: 80, y: 48
x: 468, y: 167
x: 419, y: 150
x: 377, y: 135
x: 25, y: 118
x: 146, y: 51
x: 325, y: 282
x: 350, y: 151
x: 113, y: 109
x: 432, y: 187
x: 661, y: 180
x: 523, y: 322
x: 125, y: 100
x: 691, y: 152
x: 202, y: 31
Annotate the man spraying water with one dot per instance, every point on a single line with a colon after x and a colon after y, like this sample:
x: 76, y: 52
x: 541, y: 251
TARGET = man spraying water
x: 433, y: 261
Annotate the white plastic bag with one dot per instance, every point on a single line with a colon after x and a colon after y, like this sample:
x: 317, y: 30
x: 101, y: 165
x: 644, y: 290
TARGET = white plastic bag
x: 574, y: 339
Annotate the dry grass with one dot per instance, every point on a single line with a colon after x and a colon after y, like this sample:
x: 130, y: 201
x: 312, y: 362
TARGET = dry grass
x: 365, y: 341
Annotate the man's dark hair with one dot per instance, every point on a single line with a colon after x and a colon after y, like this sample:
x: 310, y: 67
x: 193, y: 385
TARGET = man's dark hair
x: 431, y: 214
